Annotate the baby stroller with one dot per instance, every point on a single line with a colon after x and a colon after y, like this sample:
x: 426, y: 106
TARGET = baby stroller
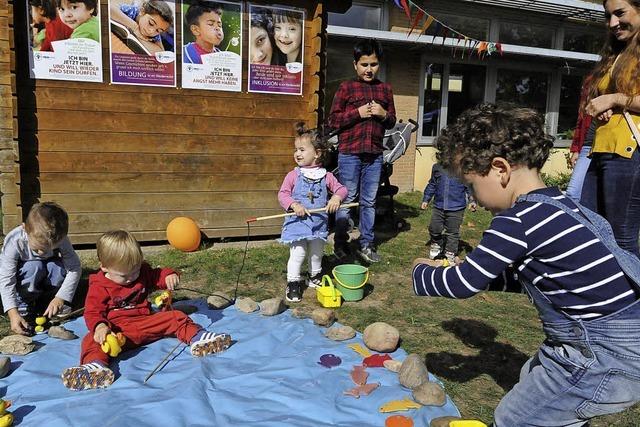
x: 396, y: 142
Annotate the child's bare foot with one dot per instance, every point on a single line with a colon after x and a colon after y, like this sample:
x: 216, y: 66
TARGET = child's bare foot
x: 87, y: 376
x: 209, y: 343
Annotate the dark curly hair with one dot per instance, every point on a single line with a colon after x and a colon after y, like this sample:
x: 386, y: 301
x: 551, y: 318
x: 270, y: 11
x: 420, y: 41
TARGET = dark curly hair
x: 494, y: 130
x: 315, y: 138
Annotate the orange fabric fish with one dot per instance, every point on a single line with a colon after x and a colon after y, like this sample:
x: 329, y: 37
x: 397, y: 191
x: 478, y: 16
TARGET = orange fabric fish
x: 359, y: 375
x: 362, y: 390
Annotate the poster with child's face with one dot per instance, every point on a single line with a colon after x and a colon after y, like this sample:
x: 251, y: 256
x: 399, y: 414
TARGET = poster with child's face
x: 276, y: 49
x: 212, y: 45
x: 64, y: 40
x: 141, y: 42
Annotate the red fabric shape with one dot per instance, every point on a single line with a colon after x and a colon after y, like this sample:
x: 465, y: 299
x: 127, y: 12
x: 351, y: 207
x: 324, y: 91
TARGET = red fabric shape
x: 376, y: 360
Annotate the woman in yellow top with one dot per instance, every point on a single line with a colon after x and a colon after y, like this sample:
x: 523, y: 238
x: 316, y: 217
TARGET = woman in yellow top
x: 612, y: 183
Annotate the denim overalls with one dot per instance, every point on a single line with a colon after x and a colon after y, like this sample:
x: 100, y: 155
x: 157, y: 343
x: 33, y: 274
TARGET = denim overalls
x: 584, y: 368
x: 312, y: 193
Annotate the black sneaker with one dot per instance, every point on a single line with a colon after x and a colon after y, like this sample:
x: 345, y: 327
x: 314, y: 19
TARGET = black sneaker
x: 369, y: 254
x: 315, y: 281
x: 294, y: 291
x: 340, y: 252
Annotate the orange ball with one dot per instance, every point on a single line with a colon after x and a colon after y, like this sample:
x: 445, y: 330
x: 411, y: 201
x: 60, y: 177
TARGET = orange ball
x: 184, y: 234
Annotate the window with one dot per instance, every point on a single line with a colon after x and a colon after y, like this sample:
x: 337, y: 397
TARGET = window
x: 477, y: 28
x: 466, y: 89
x: 432, y: 99
x: 569, y: 104
x: 584, y: 39
x: 368, y: 16
x: 525, y: 35
x: 524, y: 88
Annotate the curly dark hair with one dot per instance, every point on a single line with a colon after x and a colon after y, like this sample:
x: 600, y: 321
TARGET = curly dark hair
x: 315, y: 138
x: 494, y: 130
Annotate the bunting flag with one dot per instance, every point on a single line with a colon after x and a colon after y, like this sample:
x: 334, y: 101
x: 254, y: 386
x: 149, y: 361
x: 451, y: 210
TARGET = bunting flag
x: 479, y: 47
x: 416, y: 19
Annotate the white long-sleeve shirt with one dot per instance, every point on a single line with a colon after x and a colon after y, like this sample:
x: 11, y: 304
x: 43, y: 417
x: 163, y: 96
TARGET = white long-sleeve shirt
x: 15, y: 251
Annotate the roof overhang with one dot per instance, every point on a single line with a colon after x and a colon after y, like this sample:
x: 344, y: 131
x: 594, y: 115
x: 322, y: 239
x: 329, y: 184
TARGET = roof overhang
x: 398, y: 37
x: 569, y: 9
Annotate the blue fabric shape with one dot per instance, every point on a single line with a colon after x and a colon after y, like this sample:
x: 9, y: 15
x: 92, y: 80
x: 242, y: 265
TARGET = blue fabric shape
x: 269, y: 377
x: 313, y: 195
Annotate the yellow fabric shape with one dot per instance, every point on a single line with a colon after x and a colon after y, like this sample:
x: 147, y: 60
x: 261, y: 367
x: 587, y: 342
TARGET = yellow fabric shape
x: 614, y: 136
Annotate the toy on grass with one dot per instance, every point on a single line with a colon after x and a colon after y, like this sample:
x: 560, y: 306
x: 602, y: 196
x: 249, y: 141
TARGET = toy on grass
x: 183, y: 234
x: 113, y: 343
x: 6, y: 418
x: 400, y: 405
x: 327, y: 294
x: 398, y: 421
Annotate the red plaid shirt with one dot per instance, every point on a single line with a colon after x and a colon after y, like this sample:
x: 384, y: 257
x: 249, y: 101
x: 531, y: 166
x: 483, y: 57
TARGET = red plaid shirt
x: 360, y: 135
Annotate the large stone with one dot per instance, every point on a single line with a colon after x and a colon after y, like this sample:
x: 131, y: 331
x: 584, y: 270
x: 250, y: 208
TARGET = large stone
x: 442, y: 421
x: 323, y: 316
x: 16, y: 344
x: 381, y: 337
x: 219, y: 301
x: 340, y: 333
x: 429, y: 393
x: 272, y: 306
x: 246, y: 305
x: 392, y: 365
x: 301, y: 313
x: 62, y: 333
x: 5, y: 365
x: 413, y: 372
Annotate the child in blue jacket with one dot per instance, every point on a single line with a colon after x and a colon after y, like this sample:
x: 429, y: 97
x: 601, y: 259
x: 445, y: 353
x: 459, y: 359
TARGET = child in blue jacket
x: 450, y: 200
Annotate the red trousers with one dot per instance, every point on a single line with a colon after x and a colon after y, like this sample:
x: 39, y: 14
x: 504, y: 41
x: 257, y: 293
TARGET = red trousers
x: 141, y: 330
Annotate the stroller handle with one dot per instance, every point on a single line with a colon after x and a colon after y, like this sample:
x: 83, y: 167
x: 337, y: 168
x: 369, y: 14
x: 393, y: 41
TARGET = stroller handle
x: 415, y: 125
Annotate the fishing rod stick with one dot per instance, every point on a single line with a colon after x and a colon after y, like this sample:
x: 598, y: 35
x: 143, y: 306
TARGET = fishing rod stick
x: 262, y: 218
x: 162, y: 362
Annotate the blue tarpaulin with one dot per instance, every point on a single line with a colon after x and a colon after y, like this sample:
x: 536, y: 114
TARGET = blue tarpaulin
x: 269, y: 377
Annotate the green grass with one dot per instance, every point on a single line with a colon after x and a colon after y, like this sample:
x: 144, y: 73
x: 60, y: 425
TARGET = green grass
x: 476, y: 346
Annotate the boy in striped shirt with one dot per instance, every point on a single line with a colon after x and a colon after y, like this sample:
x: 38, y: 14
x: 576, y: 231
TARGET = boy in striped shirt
x: 584, y: 286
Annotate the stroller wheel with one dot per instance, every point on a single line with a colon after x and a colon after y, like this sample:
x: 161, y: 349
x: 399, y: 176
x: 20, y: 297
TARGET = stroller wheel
x: 400, y: 224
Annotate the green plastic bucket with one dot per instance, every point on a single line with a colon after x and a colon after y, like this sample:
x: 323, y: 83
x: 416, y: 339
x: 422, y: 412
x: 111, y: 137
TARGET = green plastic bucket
x: 350, y: 280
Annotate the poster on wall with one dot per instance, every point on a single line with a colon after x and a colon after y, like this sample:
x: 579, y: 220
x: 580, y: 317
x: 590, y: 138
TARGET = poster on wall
x: 141, y: 42
x: 212, y: 45
x: 64, y: 40
x: 276, y: 49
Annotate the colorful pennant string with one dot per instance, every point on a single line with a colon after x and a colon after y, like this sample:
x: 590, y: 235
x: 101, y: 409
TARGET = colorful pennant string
x: 480, y: 47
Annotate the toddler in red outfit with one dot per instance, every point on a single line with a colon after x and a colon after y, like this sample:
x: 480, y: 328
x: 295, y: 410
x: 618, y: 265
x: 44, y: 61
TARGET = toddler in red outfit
x: 117, y: 302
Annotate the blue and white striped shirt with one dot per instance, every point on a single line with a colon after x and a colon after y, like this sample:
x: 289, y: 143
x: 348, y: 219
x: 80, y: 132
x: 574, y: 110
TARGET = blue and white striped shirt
x: 543, y: 246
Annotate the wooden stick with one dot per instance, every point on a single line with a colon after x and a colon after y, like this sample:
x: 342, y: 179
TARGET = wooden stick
x: 66, y: 317
x: 161, y: 362
x: 261, y: 218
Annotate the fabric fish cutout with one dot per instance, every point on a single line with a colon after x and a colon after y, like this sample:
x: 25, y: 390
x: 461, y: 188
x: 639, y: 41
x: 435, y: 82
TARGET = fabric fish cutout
x: 400, y: 405
x: 362, y: 390
x: 329, y: 360
x: 360, y: 350
x: 376, y: 360
x: 359, y: 375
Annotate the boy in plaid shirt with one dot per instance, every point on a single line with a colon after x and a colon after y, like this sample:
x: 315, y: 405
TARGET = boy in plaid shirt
x: 362, y: 108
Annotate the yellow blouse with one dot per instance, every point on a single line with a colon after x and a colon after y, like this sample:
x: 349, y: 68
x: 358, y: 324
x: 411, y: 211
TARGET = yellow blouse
x: 614, y: 136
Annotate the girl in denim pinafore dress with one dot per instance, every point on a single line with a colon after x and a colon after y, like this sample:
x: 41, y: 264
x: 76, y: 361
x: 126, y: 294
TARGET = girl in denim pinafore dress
x: 305, y: 188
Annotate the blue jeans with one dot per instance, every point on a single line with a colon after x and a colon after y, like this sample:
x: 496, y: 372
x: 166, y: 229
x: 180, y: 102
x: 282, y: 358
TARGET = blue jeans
x: 574, y: 189
x: 36, y: 277
x: 612, y: 189
x: 360, y: 173
x: 584, y: 368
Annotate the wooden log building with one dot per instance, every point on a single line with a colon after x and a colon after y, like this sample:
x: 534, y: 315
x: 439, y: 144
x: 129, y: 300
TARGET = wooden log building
x: 134, y: 157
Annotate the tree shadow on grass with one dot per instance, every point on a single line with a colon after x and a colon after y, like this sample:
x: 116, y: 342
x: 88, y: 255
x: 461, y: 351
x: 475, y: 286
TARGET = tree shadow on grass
x: 500, y: 361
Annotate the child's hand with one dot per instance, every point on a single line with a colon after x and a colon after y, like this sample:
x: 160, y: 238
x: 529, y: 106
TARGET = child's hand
x: 377, y: 110
x: 334, y: 204
x: 172, y: 281
x: 424, y: 205
x: 365, y: 111
x: 473, y: 206
x: 18, y: 324
x: 101, y: 332
x: 299, y: 209
x: 54, y: 307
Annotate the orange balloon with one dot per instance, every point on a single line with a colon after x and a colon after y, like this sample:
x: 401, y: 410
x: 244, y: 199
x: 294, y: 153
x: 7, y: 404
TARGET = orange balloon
x: 398, y: 421
x: 184, y: 234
